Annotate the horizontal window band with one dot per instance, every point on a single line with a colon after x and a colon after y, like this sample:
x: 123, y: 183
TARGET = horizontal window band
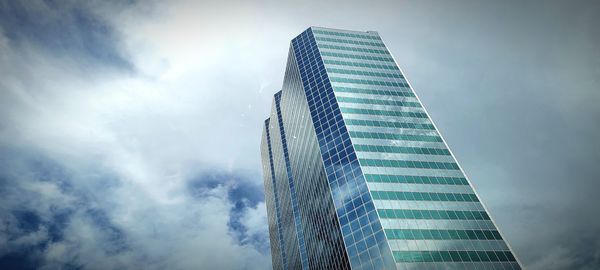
x: 392, y: 136
x: 353, y: 54
x: 368, y: 82
x: 353, y: 49
x: 411, y: 179
x: 408, y: 164
x: 414, y: 234
x: 360, y: 57
x: 343, y: 34
x: 432, y: 214
x: 349, y: 41
x: 382, y: 112
x: 364, y: 73
x: 373, y: 91
x: 359, y: 64
x: 374, y: 123
x: 423, y: 196
x: 378, y: 101
x: 401, y: 149
x: 453, y: 256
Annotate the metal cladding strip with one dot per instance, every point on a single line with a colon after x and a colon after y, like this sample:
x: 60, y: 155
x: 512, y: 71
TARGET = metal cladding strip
x: 353, y: 207
x: 276, y: 258
x: 288, y: 224
x: 294, y: 197
x: 274, y: 183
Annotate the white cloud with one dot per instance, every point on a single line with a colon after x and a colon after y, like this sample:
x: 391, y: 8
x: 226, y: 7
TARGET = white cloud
x: 130, y: 142
x: 255, y: 219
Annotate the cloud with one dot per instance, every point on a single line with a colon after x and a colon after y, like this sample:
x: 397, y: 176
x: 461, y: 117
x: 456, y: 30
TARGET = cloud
x: 116, y: 225
x: 100, y: 149
x: 67, y: 28
x: 564, y: 257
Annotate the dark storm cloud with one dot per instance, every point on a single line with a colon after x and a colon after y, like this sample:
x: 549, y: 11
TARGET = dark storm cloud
x: 39, y: 202
x: 62, y: 27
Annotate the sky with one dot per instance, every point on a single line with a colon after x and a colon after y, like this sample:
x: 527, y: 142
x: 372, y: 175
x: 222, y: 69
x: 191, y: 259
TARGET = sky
x: 130, y: 130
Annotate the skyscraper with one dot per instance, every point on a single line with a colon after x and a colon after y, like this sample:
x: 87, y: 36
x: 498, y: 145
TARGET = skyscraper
x: 356, y: 173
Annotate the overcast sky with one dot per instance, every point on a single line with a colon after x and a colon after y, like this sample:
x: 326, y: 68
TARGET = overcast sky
x: 130, y: 131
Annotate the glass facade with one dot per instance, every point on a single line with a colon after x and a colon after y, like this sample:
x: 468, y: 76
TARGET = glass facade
x: 357, y: 175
